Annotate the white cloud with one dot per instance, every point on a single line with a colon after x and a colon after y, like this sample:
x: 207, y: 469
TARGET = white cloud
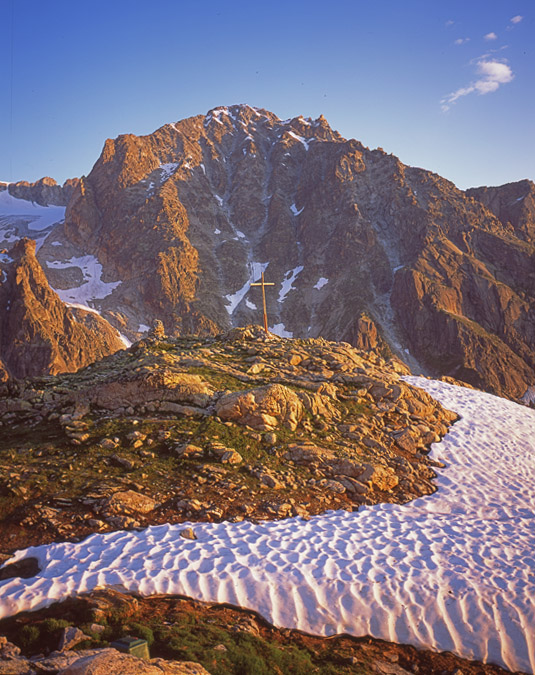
x: 492, y: 75
x: 461, y: 41
x: 491, y: 36
x: 517, y: 19
x: 449, y: 23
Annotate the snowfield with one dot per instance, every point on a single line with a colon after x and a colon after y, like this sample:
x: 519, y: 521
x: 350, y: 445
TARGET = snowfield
x: 451, y: 571
x: 20, y: 218
x: 37, y: 217
x: 92, y: 288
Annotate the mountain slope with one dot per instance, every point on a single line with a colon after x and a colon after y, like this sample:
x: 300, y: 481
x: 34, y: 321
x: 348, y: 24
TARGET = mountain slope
x: 359, y: 246
x: 38, y: 333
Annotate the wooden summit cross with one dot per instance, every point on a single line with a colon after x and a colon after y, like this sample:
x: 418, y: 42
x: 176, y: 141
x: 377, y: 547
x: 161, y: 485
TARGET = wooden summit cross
x: 263, y: 284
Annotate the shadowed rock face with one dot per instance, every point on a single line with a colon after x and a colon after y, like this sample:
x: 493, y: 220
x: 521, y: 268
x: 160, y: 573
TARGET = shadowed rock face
x: 44, y: 191
x: 513, y: 204
x: 359, y: 246
x: 38, y: 333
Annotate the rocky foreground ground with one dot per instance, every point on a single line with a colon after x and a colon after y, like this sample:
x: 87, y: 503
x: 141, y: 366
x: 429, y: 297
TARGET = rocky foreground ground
x: 228, y: 428
x: 238, y: 426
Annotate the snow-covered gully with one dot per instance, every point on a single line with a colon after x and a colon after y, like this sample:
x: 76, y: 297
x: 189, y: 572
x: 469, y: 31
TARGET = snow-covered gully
x: 451, y: 571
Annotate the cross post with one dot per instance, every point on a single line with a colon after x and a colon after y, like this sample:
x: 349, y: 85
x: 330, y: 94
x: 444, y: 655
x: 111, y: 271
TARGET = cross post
x: 263, y: 284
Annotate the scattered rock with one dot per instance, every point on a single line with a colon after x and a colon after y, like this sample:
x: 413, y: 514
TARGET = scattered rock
x: 308, y: 453
x: 107, y: 661
x: 188, y: 533
x: 71, y: 636
x: 129, y: 502
x: 263, y: 409
x: 25, y: 569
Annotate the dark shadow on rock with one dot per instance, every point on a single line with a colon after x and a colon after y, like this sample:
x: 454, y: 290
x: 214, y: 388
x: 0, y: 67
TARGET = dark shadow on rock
x: 26, y: 568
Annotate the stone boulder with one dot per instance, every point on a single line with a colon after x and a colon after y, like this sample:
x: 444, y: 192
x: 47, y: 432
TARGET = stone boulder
x: 108, y: 661
x: 347, y: 467
x: 321, y: 405
x: 309, y: 454
x: 159, y: 386
x: 263, y: 409
x: 129, y: 502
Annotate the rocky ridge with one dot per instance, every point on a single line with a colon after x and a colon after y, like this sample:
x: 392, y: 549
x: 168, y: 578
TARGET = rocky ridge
x: 38, y: 333
x: 44, y: 192
x: 242, y: 425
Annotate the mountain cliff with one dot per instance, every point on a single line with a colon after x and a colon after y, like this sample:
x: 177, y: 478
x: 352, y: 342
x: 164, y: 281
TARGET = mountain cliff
x: 177, y: 224
x: 38, y: 333
x: 44, y: 192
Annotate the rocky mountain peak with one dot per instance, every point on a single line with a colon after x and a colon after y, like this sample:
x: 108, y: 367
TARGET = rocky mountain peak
x: 38, y: 333
x: 177, y: 224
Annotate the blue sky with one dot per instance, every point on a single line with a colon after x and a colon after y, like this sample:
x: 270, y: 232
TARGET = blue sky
x: 447, y: 86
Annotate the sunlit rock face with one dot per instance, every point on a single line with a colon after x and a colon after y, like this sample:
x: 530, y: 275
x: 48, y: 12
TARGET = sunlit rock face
x: 360, y: 247
x: 38, y: 332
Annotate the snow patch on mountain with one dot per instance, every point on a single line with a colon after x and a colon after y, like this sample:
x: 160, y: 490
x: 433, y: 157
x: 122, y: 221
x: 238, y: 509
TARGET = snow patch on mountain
x: 287, y: 283
x: 300, y: 139
x: 37, y: 217
x: 93, y: 287
x: 20, y: 218
x: 321, y: 282
x: 234, y: 299
x: 280, y: 330
x: 168, y: 170
x: 76, y: 305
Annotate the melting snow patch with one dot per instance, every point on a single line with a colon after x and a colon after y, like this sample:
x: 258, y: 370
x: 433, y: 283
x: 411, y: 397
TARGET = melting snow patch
x: 142, y: 328
x: 300, y: 139
x: 449, y: 571
x: 255, y: 272
x: 280, y: 330
x: 126, y: 342
x: 93, y: 287
x: 217, y: 231
x: 287, y: 283
x: 219, y: 200
x: 4, y: 258
x: 294, y: 210
x: 249, y: 304
x: 321, y: 283
x: 168, y: 170
x: 56, y: 243
x: 8, y: 235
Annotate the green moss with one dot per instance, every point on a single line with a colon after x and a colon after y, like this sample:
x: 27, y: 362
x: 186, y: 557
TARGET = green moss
x: 220, y: 381
x: 141, y: 631
x: 29, y: 638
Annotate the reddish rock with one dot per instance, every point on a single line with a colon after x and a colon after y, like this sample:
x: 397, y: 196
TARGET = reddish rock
x: 38, y: 332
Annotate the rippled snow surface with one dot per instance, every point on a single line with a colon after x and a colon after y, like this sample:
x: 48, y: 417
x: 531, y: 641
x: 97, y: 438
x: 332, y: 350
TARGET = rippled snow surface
x: 451, y: 571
